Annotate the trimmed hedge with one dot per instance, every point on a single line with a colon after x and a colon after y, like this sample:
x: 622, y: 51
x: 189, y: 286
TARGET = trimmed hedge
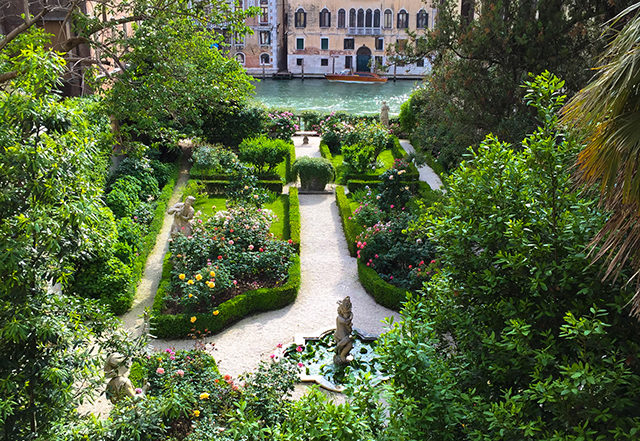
x: 220, y: 186
x: 324, y: 151
x: 351, y: 230
x: 294, y: 217
x: 289, y: 160
x: 384, y: 293
x: 239, y: 307
x: 203, y: 174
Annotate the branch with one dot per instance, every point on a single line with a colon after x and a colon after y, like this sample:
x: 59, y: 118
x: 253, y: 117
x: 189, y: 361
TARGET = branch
x: 7, y: 76
x: 71, y: 43
x: 23, y: 27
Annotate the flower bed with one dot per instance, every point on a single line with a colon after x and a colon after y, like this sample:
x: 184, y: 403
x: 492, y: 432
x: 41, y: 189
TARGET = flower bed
x: 219, y: 276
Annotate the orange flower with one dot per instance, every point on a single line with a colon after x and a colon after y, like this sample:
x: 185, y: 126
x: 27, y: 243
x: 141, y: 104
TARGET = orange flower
x: 198, y: 277
x: 190, y: 295
x: 211, y: 284
x: 216, y: 312
x: 193, y: 319
x: 212, y: 273
x: 181, y: 276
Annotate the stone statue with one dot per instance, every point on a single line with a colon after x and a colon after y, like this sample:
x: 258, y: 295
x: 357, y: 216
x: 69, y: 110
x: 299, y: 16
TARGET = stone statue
x: 342, y: 336
x: 384, y: 114
x: 182, y: 214
x: 117, y: 369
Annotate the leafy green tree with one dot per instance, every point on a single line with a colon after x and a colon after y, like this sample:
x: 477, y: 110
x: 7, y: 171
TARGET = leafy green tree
x: 480, y: 59
x: 607, y: 112
x: 516, y: 337
x: 50, y: 215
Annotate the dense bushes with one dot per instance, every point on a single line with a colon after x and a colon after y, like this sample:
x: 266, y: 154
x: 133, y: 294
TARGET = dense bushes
x: 350, y: 228
x: 531, y: 343
x: 134, y: 198
x: 383, y: 292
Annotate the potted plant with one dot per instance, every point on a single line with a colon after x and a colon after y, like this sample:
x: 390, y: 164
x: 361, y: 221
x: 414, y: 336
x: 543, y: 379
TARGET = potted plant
x: 315, y: 173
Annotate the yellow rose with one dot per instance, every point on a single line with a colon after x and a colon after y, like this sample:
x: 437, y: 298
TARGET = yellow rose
x: 193, y: 319
x: 190, y: 282
x: 204, y: 396
x: 212, y: 273
x: 190, y: 295
x: 211, y: 284
x: 198, y: 277
x: 181, y: 276
x: 216, y: 312
x: 196, y: 413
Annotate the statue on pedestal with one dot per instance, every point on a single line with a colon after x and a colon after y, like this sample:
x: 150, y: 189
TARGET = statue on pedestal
x: 117, y: 369
x: 182, y: 214
x: 342, y: 336
x: 384, y: 114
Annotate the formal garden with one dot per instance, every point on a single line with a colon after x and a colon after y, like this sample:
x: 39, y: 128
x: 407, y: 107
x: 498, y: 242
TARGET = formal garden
x: 295, y: 275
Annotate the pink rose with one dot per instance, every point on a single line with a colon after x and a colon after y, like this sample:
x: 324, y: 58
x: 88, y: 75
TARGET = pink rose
x: 160, y: 371
x: 180, y: 372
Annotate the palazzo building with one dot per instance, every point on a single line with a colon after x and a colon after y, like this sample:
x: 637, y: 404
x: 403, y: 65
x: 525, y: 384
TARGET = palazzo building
x: 333, y: 36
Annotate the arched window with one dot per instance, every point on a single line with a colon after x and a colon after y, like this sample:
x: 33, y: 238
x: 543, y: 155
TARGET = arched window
x: 403, y: 19
x: 368, y: 19
x: 388, y: 19
x: 240, y: 58
x: 352, y: 18
x: 341, y: 18
x: 376, y: 18
x: 265, y: 59
x: 360, y: 18
x: 300, y: 18
x: 325, y: 18
x: 422, y: 19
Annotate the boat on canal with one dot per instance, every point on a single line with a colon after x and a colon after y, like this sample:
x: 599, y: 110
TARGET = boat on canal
x: 346, y: 76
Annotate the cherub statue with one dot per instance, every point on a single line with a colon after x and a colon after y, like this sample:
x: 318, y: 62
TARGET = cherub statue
x: 117, y: 369
x: 342, y: 336
x: 384, y: 114
x: 182, y: 214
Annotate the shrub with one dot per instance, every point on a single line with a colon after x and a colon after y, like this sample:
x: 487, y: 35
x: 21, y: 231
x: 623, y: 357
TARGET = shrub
x: 124, y: 196
x: 130, y: 233
x: 109, y: 281
x: 314, y: 173
x: 244, y: 189
x: 142, y: 171
x: 229, y: 125
x: 263, y: 153
x: 392, y: 191
x: 360, y: 157
x: 162, y: 171
x: 281, y: 125
x: 214, y: 158
x: 289, y: 160
x: 294, y: 217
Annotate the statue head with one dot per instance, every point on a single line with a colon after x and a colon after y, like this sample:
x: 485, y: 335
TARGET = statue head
x: 116, y: 365
x: 344, y: 307
x: 189, y: 200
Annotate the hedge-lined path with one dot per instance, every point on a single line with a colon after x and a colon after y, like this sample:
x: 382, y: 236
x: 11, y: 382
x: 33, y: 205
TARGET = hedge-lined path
x: 328, y: 275
x: 426, y: 173
x: 132, y: 321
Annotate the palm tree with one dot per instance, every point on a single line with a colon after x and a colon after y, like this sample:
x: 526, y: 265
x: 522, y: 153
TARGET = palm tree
x: 608, y: 110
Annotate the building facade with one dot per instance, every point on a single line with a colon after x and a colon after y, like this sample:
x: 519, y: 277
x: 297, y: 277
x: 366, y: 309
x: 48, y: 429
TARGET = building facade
x: 259, y: 51
x: 333, y: 36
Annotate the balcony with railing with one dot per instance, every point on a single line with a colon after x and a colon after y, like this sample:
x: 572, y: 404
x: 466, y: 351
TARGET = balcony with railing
x: 364, y: 31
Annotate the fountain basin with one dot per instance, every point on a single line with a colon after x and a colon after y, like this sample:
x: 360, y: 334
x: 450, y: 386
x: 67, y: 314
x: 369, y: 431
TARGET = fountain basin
x: 316, y: 355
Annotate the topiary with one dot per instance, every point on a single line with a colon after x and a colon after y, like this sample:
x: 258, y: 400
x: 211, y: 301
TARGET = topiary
x: 314, y: 173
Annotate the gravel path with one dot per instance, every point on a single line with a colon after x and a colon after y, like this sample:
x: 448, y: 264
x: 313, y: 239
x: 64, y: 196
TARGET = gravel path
x: 426, y: 173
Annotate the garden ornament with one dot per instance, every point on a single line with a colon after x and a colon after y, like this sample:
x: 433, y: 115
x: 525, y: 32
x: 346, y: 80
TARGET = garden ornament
x: 182, y: 214
x: 117, y: 369
x: 344, y: 329
x: 384, y: 114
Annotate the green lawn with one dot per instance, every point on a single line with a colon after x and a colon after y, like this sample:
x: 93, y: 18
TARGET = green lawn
x: 206, y: 206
